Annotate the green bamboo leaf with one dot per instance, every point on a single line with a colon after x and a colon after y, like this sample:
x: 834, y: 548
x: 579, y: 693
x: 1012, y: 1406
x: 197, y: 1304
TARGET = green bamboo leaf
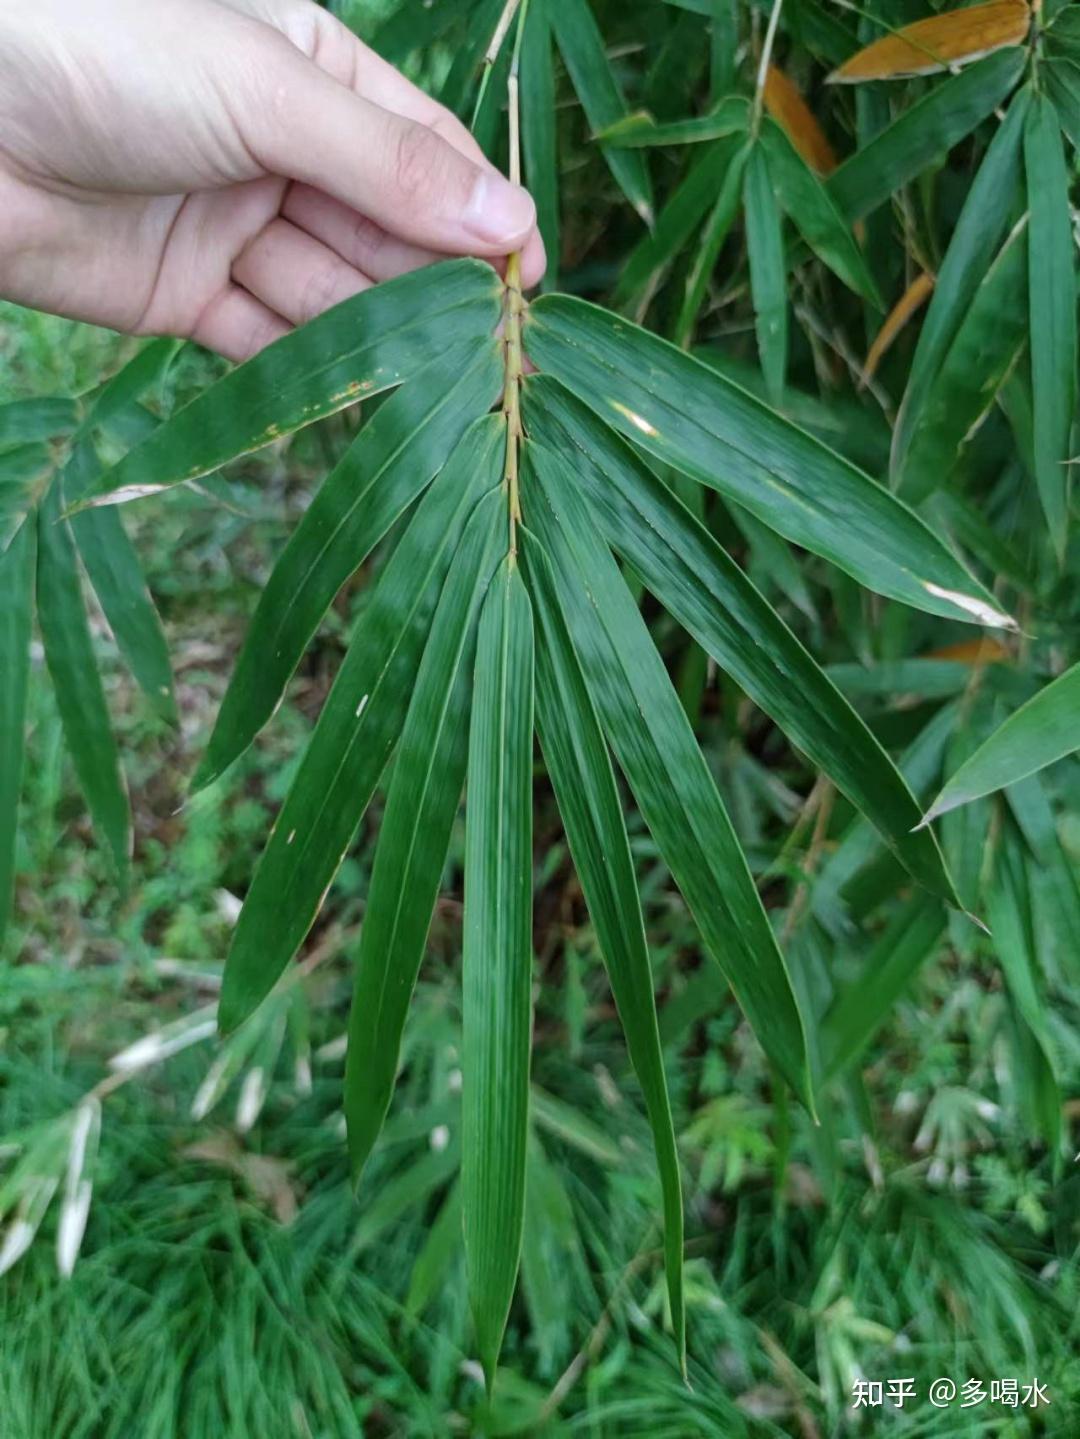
x: 429, y: 772
x: 652, y: 739
x: 861, y: 1007
x: 975, y: 240
x: 539, y: 141
x: 582, y: 49
x: 1008, y: 907
x: 116, y: 575
x: 357, y: 729
x: 987, y: 343
x: 686, y: 415
x: 713, y: 236
x: 768, y: 273
x: 69, y: 654
x: 25, y: 472
x: 923, y: 133
x: 577, y: 759
x: 16, y: 617
x: 497, y: 957
x: 1045, y: 729
x: 412, y: 28
x: 692, y: 577
x: 457, y: 91
x: 812, y: 209
x: 147, y: 370
x: 48, y: 418
x: 1062, y: 80
x: 389, y: 463
x: 678, y: 219
x: 361, y: 347
x: 437, y: 1255
x: 1052, y: 300
x: 642, y: 131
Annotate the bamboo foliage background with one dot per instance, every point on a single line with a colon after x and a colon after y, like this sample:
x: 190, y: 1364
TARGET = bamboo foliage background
x: 791, y: 439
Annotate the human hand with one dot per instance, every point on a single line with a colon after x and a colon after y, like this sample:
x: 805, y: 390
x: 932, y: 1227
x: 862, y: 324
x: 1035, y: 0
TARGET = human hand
x: 225, y: 169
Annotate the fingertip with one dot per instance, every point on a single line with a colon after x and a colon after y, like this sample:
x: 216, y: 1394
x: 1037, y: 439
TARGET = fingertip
x: 533, y: 261
x: 498, y: 214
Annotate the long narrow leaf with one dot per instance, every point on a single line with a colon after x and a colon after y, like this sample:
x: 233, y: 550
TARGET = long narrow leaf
x: 365, y: 345
x: 386, y: 467
x: 974, y: 243
x: 69, y: 654
x: 931, y: 127
x: 1052, y: 300
x: 709, y: 428
x: 768, y: 272
x: 656, y: 748
x: 582, y: 48
x: 425, y: 789
x: 577, y: 759
x: 692, y: 576
x: 1044, y: 730
x: 538, y: 132
x: 16, y: 614
x: 497, y: 957
x: 357, y: 729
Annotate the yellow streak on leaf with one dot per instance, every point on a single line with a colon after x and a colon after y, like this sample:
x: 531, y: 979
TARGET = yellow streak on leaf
x: 952, y: 38
x: 791, y: 112
x: 916, y: 294
x: 983, y: 651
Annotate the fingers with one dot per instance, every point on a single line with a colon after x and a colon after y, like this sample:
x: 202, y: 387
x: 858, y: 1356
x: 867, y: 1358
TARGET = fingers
x: 397, y: 171
x: 358, y: 240
x: 294, y: 274
x: 236, y: 325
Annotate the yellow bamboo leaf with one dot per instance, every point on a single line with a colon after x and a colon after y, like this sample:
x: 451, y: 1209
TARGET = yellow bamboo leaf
x: 791, y: 112
x: 916, y: 294
x: 952, y: 38
x: 983, y: 651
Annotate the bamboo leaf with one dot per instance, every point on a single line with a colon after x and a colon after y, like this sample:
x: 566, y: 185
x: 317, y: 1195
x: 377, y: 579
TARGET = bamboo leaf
x: 425, y: 789
x: 1051, y: 295
x: 939, y: 43
x: 860, y: 1008
x: 116, y: 575
x: 48, y: 418
x: 975, y: 240
x: 985, y: 348
x: 652, y: 739
x: 787, y: 107
x: 539, y: 141
x: 923, y: 133
x: 389, y: 463
x: 497, y: 957
x: 909, y: 303
x: 361, y: 347
x: 686, y: 415
x: 677, y: 221
x: 16, y: 617
x: 768, y: 272
x: 1044, y: 730
x: 714, y: 234
x: 69, y: 654
x: 642, y: 130
x: 691, y: 575
x: 582, y: 49
x: 803, y: 197
x: 357, y: 729
x: 577, y: 759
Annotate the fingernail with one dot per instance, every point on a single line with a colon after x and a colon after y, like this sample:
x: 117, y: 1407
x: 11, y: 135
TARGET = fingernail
x: 499, y: 213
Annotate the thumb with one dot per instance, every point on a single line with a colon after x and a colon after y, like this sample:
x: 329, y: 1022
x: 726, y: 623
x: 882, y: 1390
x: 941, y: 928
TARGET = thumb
x: 400, y: 173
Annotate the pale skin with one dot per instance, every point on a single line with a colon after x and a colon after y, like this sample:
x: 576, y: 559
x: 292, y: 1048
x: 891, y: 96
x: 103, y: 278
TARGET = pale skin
x: 224, y: 170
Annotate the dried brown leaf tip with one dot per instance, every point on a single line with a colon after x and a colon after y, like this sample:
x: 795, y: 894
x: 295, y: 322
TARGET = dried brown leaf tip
x: 790, y: 111
x: 954, y: 38
x: 915, y: 296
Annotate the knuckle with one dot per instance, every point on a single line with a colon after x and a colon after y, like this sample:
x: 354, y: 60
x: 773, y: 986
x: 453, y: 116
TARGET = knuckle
x: 319, y: 292
x: 416, y: 160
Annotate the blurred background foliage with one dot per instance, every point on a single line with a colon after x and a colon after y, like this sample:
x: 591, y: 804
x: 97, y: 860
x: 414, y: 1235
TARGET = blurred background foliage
x: 229, y: 1284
